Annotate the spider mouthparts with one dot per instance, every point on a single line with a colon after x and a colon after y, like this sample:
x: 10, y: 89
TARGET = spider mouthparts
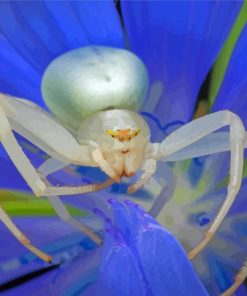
x: 124, y: 151
x: 126, y: 174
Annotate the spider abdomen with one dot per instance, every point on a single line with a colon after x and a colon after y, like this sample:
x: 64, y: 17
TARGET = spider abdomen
x: 84, y: 81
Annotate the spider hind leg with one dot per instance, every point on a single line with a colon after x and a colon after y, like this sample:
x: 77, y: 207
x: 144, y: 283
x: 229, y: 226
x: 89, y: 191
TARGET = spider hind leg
x: 21, y: 237
x: 239, y: 280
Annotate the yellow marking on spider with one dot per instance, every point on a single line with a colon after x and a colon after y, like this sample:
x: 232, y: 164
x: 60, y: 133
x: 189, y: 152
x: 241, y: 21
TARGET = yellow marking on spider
x: 124, y: 134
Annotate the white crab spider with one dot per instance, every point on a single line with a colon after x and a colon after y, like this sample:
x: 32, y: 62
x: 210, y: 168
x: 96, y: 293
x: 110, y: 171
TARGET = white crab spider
x: 94, y: 93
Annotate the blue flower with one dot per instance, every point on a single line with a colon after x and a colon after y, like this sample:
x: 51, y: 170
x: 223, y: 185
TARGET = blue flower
x: 179, y: 42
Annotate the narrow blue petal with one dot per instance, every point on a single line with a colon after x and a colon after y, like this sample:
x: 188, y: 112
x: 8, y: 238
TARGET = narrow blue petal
x: 232, y: 94
x: 42, y: 30
x: 100, y: 22
x: 178, y: 41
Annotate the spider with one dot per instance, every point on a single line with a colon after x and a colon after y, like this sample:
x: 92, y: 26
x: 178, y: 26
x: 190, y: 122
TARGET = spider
x: 94, y: 94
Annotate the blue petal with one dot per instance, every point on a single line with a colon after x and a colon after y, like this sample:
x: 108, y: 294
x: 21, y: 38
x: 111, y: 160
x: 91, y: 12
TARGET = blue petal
x: 129, y: 230
x: 150, y: 258
x: 119, y: 273
x: 11, y: 178
x: 17, y: 77
x: 164, y: 262
x: 232, y: 94
x: 42, y: 30
x: 178, y: 41
x: 122, y: 219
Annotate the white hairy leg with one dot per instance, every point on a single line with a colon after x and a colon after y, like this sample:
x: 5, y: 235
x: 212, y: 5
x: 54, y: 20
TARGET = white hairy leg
x: 66, y: 190
x: 210, y: 144
x: 57, y: 141
x: 149, y: 167
x: 41, y: 129
x: 21, y: 237
x: 239, y: 280
x: 28, y: 172
x: 194, y: 131
x: 50, y: 166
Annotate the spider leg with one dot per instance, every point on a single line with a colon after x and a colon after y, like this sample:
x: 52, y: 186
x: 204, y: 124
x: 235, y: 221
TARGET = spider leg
x: 210, y: 144
x: 69, y: 190
x: 21, y: 237
x: 65, y: 216
x: 196, y: 130
x: 47, y: 168
x: 149, y: 167
x: 30, y: 174
x: 239, y: 280
x: 25, y: 167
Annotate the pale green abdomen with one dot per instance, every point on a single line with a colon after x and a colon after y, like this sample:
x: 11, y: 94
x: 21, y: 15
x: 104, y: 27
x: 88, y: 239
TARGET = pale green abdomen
x: 90, y: 79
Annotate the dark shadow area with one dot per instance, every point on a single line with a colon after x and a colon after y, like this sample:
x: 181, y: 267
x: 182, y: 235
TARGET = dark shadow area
x: 120, y: 15
x: 27, y: 277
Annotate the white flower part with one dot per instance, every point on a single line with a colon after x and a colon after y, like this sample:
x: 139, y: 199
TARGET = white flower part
x: 84, y: 81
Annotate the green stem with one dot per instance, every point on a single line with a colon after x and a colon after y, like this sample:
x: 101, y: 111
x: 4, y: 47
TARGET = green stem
x: 222, y: 62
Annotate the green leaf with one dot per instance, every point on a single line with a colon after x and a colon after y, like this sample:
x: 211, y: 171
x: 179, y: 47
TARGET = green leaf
x: 17, y: 203
x: 222, y: 62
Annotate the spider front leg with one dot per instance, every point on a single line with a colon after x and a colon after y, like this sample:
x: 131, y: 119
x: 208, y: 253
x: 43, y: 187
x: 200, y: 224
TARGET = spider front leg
x: 149, y: 168
x: 23, y: 164
x: 52, y: 165
x: 36, y: 125
x: 193, y: 132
